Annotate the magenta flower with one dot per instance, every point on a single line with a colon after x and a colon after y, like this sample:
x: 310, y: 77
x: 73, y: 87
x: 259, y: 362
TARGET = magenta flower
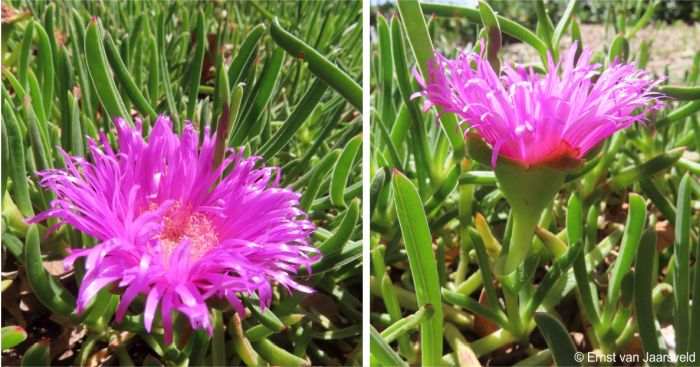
x: 173, y: 229
x: 534, y: 119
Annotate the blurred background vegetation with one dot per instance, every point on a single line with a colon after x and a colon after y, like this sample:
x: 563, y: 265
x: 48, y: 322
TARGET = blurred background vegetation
x: 672, y: 33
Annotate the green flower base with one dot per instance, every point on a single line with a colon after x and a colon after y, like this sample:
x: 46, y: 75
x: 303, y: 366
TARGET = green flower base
x: 528, y: 189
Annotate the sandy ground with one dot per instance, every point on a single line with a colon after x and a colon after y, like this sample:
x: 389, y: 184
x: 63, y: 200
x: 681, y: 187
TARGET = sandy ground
x: 672, y: 45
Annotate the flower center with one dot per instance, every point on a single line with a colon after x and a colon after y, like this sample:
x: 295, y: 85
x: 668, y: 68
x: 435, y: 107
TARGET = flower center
x: 180, y: 222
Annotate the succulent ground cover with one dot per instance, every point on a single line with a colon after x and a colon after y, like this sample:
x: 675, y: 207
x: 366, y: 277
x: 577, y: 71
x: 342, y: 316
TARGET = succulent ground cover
x: 487, y: 247
x: 132, y: 236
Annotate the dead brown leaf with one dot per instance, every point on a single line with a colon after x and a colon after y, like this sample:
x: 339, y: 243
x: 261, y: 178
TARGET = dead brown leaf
x: 664, y: 235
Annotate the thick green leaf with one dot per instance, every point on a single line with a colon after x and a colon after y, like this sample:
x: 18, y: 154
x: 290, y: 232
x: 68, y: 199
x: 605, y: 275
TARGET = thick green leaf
x: 574, y: 229
x: 218, y: 347
x: 557, y: 270
x: 65, y: 84
x: 619, y: 49
x: 681, y: 93
x: 412, y: 14
x: 265, y: 317
x: 242, y: 346
x: 11, y: 336
x: 342, y: 235
x: 196, y: 66
x: 480, y: 241
x: 461, y: 349
x: 37, y: 355
x: 341, y: 171
x: 165, y: 79
x: 5, y: 159
x: 391, y: 303
x: 495, y: 315
x: 23, y: 67
x: 681, y: 275
x: 545, y: 27
x: 261, y: 93
x: 636, y: 218
x: 643, y: 20
x: 126, y: 81
x: 318, y: 64
x: 321, y: 170
x: 563, y: 24
x: 245, y: 55
x: 632, y: 174
x: 679, y: 114
x: 45, y: 64
x: 278, y: 356
x: 49, y: 291
x: 419, y: 247
x: 381, y: 350
x: 558, y: 340
x: 386, y: 69
x: 296, y: 119
x: 37, y: 141
x: 593, y: 258
x: 18, y: 172
x: 644, y: 278
x: 493, y: 31
x: 101, y: 76
x: 259, y: 332
x: 508, y: 26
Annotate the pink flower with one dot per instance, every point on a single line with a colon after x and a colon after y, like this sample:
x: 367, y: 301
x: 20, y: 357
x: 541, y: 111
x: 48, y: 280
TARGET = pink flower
x: 533, y: 119
x: 173, y: 229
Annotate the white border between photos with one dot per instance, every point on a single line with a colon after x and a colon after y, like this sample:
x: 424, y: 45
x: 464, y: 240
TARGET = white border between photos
x: 365, y: 179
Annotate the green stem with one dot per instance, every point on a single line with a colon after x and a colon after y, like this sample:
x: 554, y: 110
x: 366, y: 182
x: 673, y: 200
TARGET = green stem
x: 521, y: 239
x: 471, y: 284
x: 625, y: 336
x: 13, y: 217
x: 528, y: 190
x: 493, y: 341
x: 498, y: 339
x: 512, y: 310
x: 466, y: 200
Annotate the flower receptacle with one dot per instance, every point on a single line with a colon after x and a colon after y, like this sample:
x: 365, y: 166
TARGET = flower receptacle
x: 528, y: 189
